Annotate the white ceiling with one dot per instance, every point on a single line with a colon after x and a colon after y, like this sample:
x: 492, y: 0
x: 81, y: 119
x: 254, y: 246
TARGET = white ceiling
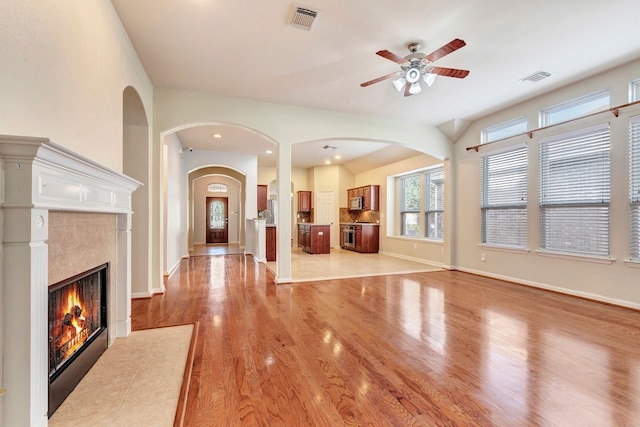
x: 246, y: 49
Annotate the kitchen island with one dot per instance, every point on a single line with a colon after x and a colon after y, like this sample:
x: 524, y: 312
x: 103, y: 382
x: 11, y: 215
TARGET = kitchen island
x: 314, y: 238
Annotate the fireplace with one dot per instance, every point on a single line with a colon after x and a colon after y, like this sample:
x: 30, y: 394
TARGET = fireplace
x: 77, y: 330
x: 61, y: 214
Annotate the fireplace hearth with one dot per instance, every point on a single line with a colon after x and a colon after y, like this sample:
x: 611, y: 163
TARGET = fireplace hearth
x: 77, y: 330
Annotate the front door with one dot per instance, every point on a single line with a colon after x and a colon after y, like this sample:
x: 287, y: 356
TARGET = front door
x: 217, y: 220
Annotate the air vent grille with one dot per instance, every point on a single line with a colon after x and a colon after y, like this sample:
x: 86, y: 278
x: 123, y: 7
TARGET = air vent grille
x: 536, y: 77
x: 303, y: 18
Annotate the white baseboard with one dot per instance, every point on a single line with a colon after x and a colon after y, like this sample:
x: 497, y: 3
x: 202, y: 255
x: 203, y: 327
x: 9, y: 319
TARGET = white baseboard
x: 409, y: 258
x: 141, y: 295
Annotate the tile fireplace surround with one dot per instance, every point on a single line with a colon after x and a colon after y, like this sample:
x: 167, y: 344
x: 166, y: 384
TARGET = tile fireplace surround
x: 42, y: 181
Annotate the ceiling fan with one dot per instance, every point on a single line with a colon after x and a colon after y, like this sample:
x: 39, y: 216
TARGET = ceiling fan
x: 417, y: 65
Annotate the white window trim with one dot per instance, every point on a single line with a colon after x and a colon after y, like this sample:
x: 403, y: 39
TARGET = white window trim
x: 543, y: 119
x: 576, y: 257
x: 484, y: 133
x: 504, y: 248
x: 634, y: 90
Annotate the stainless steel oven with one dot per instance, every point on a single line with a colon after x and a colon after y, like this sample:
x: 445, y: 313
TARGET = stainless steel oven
x: 349, y: 236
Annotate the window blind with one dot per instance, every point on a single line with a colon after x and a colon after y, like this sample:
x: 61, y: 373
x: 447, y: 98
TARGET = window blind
x: 634, y: 187
x: 504, y: 198
x: 575, y: 191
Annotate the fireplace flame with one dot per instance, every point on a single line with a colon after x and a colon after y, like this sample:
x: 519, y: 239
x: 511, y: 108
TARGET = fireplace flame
x: 75, y: 322
x: 73, y: 314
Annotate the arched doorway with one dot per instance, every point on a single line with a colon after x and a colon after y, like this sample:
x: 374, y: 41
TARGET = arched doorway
x: 135, y: 163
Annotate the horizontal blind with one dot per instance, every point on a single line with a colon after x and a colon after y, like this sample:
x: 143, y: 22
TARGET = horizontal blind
x: 504, y: 198
x: 634, y: 187
x: 575, y: 191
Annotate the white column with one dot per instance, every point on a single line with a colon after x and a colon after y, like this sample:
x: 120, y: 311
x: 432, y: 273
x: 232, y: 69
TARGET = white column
x: 283, y: 260
x: 122, y: 277
x: 25, y: 317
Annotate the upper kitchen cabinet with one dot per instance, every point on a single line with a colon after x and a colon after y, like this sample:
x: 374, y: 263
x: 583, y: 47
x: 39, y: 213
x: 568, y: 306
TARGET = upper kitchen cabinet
x: 304, y: 201
x: 371, y: 197
x: 262, y: 198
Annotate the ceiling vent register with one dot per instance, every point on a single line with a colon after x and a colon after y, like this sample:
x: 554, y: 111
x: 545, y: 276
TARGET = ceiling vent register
x: 536, y: 77
x: 303, y: 18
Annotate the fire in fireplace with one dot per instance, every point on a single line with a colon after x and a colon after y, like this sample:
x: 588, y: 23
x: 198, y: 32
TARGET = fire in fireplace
x: 77, y: 330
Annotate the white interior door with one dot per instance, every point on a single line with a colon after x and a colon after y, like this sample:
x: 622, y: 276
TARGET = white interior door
x: 325, y: 212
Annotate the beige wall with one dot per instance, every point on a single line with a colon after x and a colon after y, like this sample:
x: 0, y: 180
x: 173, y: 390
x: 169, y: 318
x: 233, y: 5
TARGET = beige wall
x: 65, y: 65
x: 616, y: 281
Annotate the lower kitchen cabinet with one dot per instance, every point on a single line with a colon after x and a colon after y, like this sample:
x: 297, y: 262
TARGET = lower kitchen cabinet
x: 270, y: 237
x: 314, y: 238
x: 366, y: 238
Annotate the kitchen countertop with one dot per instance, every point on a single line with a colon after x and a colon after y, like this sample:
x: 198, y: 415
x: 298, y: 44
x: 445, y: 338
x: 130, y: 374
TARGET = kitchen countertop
x: 310, y: 223
x: 359, y: 223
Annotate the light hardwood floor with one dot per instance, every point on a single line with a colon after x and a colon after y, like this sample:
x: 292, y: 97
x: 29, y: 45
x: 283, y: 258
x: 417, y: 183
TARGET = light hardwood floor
x: 422, y: 349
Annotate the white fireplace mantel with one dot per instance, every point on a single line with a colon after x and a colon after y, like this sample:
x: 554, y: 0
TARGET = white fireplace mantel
x: 36, y: 176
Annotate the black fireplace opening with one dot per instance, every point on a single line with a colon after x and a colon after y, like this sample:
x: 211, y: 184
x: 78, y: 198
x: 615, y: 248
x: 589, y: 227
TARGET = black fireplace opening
x: 77, y: 330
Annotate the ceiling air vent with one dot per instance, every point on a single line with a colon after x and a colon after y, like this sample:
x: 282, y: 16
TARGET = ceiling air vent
x: 536, y: 77
x: 303, y: 18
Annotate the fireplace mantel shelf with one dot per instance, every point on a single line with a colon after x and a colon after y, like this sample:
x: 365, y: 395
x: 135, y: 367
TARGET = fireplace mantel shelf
x: 61, y: 179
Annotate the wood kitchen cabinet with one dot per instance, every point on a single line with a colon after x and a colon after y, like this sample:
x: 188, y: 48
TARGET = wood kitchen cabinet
x: 270, y: 237
x: 262, y: 197
x: 314, y: 239
x: 304, y: 201
x: 371, y: 196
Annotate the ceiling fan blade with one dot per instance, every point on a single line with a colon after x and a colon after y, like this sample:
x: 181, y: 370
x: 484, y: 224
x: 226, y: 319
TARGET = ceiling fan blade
x: 452, y: 46
x: 392, y: 57
x: 379, y: 79
x: 407, y: 86
x: 449, y: 72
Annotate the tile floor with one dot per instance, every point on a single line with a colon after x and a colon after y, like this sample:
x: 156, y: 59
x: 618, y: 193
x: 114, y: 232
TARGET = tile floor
x: 345, y: 264
x: 337, y: 264
x: 136, y: 381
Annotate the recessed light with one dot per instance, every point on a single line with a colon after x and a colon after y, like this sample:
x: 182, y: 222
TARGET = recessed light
x: 216, y: 136
x: 269, y: 152
x: 337, y: 157
x: 327, y: 162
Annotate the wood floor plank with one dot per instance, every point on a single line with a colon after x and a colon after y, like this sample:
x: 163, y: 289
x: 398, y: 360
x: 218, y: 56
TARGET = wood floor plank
x: 426, y: 349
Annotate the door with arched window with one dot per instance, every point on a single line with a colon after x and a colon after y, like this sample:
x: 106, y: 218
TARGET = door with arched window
x: 217, y: 220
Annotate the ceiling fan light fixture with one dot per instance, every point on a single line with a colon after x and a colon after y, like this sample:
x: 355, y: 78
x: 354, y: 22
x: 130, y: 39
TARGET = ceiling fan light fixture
x: 415, y: 88
x: 413, y: 75
x: 429, y: 78
x: 399, y: 84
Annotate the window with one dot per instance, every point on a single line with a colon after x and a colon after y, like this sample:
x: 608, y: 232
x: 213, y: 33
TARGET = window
x: 634, y: 186
x: 217, y: 188
x: 504, y: 130
x: 410, y: 206
x: 574, y: 191
x: 504, y: 198
x: 422, y: 203
x: 634, y: 90
x: 582, y: 106
x: 434, y: 204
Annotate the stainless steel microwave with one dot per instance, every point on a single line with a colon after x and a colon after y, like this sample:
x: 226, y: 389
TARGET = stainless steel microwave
x: 355, y: 203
